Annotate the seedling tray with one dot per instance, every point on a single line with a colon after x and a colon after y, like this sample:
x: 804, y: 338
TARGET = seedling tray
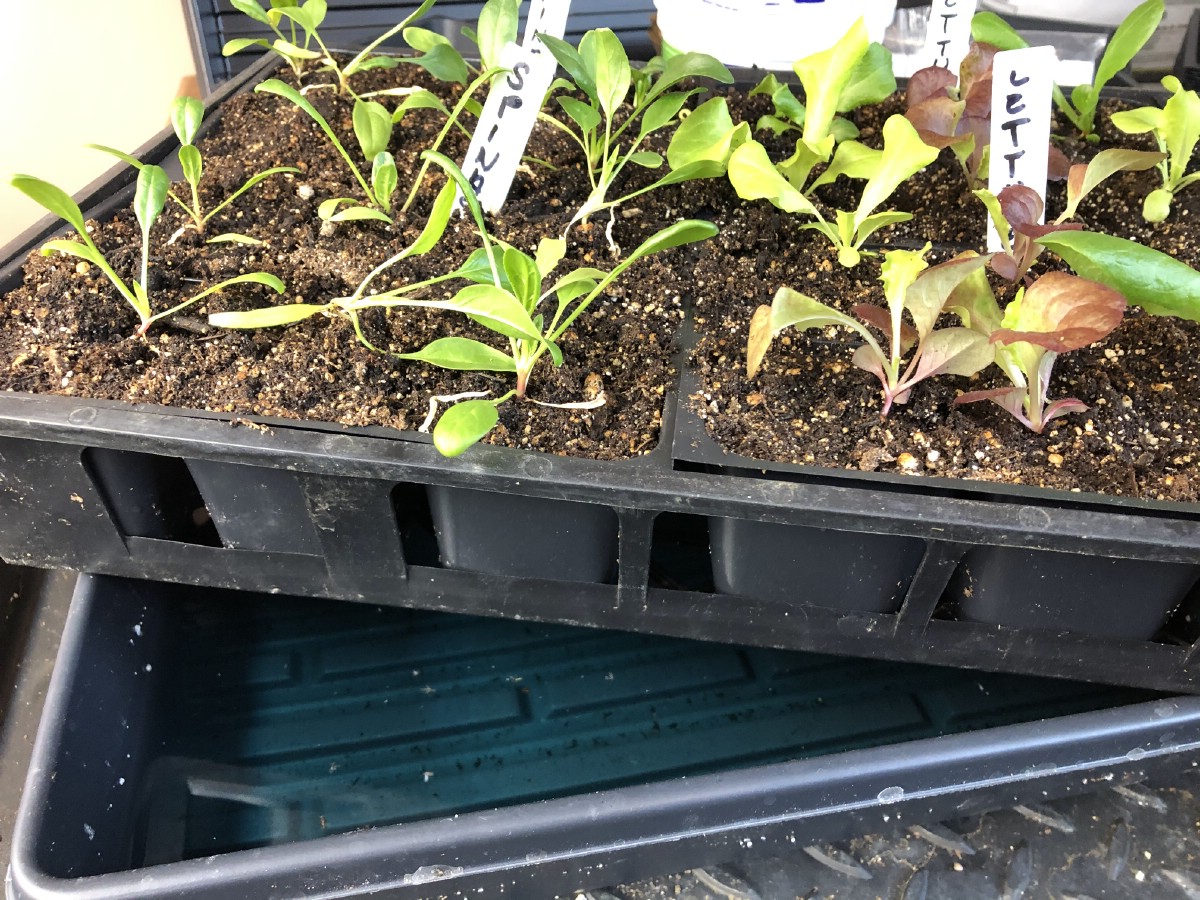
x: 359, y: 514
x: 209, y: 744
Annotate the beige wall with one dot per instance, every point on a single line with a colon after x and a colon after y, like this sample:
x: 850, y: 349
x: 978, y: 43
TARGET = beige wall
x: 82, y: 71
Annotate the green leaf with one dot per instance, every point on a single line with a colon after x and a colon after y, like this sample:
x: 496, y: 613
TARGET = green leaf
x: 1129, y: 38
x: 583, y: 115
x: 418, y: 98
x: 524, y: 276
x: 927, y: 295
x: 74, y: 248
x: 605, y: 59
x: 491, y: 307
x: 662, y: 111
x: 1157, y: 205
x: 791, y: 308
x: 477, y: 269
x: 797, y: 167
x: 237, y: 45
x: 1180, y: 132
x: 852, y: 160
x: 1082, y: 180
x: 233, y: 237
x: 119, y: 154
x: 689, y: 231
x: 293, y: 51
x: 435, y: 225
x: 150, y: 198
x: 422, y: 39
x: 53, y: 198
x: 497, y: 27
x: 267, y: 317
x: 755, y: 177
x: 384, y: 179
x: 372, y: 127
x: 974, y: 302
x: 462, y: 354
x: 904, y: 154
x: 871, y: 80
x: 871, y: 224
x: 572, y: 63
x: 825, y: 76
x: 707, y: 133
x: 439, y: 58
x: 647, y: 159
x: 191, y: 163
x: 464, y: 425
x: 186, y: 116
x: 263, y: 278
x: 899, y: 270
x: 1159, y: 283
x: 550, y: 252
x: 989, y: 28
x: 360, y: 213
x: 251, y: 9
x: 688, y: 65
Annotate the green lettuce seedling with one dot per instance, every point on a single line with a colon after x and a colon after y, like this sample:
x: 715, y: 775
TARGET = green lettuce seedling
x: 755, y: 177
x: 600, y: 69
x: 1057, y: 313
x: 148, y: 203
x: 1016, y: 211
x: 869, y: 79
x: 1176, y: 127
x: 1127, y: 41
x: 908, y: 286
x: 186, y: 115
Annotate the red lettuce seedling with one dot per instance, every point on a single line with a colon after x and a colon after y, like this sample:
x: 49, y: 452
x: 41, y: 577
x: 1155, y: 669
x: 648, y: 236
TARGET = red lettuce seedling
x: 907, y: 285
x: 1056, y: 314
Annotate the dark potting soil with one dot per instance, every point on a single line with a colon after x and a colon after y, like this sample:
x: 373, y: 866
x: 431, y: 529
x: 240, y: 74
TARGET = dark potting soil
x: 66, y: 331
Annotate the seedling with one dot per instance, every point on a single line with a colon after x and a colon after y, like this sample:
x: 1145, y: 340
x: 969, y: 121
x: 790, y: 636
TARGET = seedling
x: 755, y: 177
x: 852, y: 73
x: 908, y: 285
x: 601, y: 70
x: 1017, y: 210
x: 505, y: 296
x: 1127, y: 41
x: 148, y: 203
x: 1056, y: 314
x: 373, y: 131
x: 1176, y: 128
x: 186, y: 115
x: 308, y: 14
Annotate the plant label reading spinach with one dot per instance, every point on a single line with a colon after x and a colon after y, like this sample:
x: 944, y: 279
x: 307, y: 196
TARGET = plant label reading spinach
x: 948, y: 35
x: 512, y: 107
x: 1022, y: 83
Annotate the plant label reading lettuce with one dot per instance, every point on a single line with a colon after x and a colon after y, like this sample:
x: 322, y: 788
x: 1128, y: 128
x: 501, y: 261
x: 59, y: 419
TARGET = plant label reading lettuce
x: 512, y: 107
x: 948, y: 35
x: 1022, y: 83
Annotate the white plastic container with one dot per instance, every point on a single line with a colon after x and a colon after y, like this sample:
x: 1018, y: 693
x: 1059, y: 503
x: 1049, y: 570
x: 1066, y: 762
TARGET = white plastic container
x: 771, y: 35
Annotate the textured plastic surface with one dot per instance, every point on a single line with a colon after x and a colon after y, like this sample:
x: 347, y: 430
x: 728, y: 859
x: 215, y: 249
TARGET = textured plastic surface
x: 359, y: 502
x: 216, y: 744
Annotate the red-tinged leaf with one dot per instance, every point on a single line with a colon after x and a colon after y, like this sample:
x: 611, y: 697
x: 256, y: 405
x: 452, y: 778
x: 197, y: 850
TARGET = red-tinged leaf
x: 1004, y: 265
x: 1021, y: 205
x: 1058, y: 167
x: 882, y: 319
x: 929, y: 83
x: 1063, y: 407
x: 1011, y: 400
x: 978, y: 100
x: 868, y: 360
x: 954, y: 351
x: 936, y: 121
x: 1062, y: 312
x: 975, y: 74
x: 1037, y: 231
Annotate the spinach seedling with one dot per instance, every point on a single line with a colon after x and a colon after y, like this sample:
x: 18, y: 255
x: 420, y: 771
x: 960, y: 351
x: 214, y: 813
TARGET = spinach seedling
x: 1016, y: 212
x: 308, y: 14
x: 755, y: 177
x: 1057, y: 313
x: 1127, y: 41
x: 373, y: 130
x: 908, y: 286
x: 1176, y: 127
x: 600, y: 69
x: 148, y: 203
x: 186, y: 115
x: 853, y: 73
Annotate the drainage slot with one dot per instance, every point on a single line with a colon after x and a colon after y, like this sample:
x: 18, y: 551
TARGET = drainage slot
x: 151, y: 496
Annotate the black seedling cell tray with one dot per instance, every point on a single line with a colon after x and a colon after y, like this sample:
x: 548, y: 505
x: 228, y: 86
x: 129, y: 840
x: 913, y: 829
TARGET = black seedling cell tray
x: 375, y: 515
x: 212, y: 744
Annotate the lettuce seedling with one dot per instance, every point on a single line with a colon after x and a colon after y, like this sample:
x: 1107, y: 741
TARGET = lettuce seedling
x: 755, y: 177
x: 1176, y: 128
x: 600, y: 69
x: 148, y: 203
x: 956, y: 112
x: 186, y: 115
x: 1127, y: 41
x: 908, y: 286
x: 1057, y: 313
x: 1016, y: 212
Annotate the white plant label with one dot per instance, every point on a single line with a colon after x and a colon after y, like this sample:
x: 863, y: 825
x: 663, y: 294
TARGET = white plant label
x: 1022, y: 82
x: 512, y: 107
x: 948, y: 36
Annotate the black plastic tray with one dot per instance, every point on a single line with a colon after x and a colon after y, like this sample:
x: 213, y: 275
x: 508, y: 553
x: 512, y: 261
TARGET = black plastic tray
x: 223, y: 745
x: 357, y: 514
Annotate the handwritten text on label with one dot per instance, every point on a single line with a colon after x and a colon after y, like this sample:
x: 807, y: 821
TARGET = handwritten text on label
x: 948, y: 36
